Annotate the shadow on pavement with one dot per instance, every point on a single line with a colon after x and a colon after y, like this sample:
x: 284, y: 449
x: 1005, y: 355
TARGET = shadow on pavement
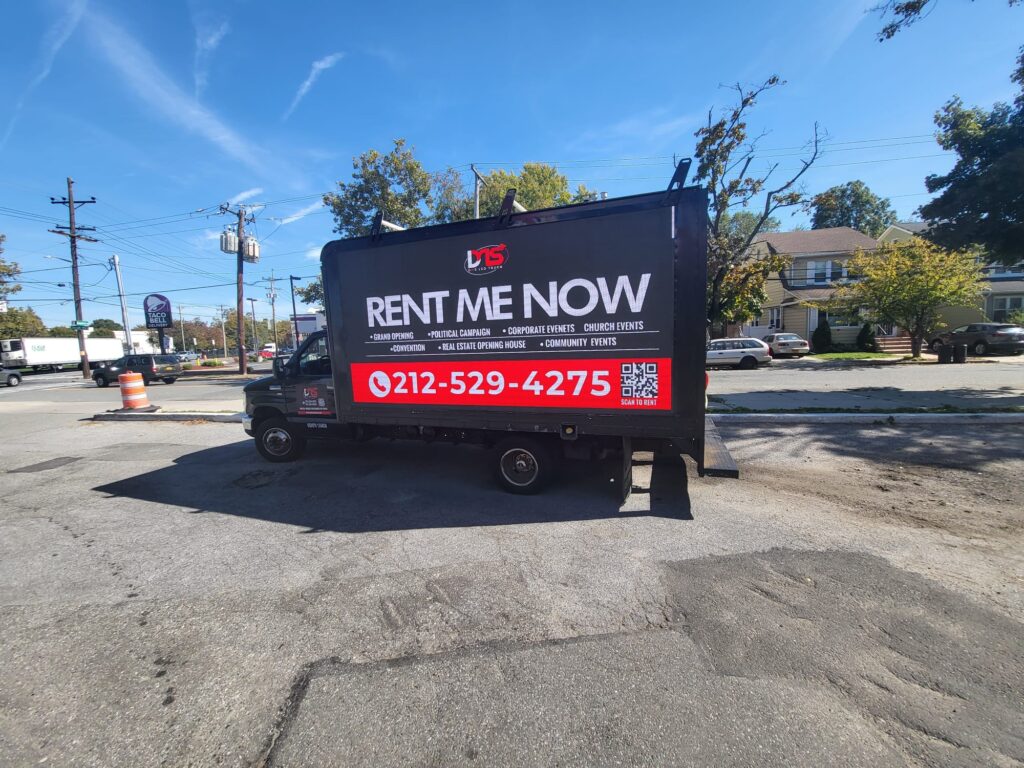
x: 383, y: 486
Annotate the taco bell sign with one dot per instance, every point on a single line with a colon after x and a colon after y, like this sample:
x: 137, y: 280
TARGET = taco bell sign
x: 158, y: 311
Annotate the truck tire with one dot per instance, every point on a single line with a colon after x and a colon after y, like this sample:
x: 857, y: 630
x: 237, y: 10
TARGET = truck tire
x: 523, y: 465
x: 279, y: 441
x: 101, y: 381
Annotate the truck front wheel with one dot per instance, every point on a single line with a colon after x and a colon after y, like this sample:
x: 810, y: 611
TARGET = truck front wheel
x: 277, y: 440
x: 524, y: 465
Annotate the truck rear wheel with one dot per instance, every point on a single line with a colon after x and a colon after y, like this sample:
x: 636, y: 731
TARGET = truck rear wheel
x: 524, y: 465
x: 278, y: 441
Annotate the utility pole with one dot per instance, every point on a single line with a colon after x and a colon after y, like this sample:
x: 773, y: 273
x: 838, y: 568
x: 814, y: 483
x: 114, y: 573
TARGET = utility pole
x: 272, y: 296
x: 74, y: 237
x: 476, y: 191
x: 181, y: 324
x: 243, y: 362
x: 115, y: 262
x: 255, y: 336
x: 223, y: 331
x: 295, y: 316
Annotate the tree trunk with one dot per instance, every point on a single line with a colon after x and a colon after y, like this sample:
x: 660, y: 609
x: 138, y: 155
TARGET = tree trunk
x: 916, y: 340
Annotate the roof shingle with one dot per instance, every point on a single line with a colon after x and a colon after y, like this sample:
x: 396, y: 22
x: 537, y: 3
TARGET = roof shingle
x: 831, y: 240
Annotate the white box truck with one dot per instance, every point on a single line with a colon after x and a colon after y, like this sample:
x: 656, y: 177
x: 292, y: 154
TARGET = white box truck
x: 53, y: 353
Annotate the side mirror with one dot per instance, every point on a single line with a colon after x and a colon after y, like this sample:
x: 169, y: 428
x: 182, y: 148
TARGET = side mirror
x: 279, y: 367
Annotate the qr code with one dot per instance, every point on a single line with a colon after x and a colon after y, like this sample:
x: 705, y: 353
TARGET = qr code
x: 639, y: 380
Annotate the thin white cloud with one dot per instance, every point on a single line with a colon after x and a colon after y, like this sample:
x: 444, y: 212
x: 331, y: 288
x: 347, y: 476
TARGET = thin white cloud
x: 209, y: 33
x: 648, y: 130
x: 241, y: 197
x: 49, y: 47
x: 319, y: 67
x: 142, y: 74
x: 303, y: 213
x: 313, y: 253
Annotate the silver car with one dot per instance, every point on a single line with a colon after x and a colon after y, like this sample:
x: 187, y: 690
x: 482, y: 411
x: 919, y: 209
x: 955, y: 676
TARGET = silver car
x: 739, y: 353
x: 787, y: 344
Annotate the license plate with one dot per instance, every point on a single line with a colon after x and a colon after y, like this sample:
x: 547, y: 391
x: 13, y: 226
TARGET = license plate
x: 168, y: 367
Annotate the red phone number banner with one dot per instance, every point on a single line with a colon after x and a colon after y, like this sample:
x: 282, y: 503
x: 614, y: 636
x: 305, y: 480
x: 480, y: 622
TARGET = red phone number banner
x: 634, y: 383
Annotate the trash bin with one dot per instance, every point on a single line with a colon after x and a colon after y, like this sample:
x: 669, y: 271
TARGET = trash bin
x: 946, y: 353
x: 959, y: 353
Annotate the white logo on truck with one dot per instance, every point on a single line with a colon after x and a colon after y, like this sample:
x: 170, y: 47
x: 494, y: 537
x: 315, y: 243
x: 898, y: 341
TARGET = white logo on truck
x: 380, y: 384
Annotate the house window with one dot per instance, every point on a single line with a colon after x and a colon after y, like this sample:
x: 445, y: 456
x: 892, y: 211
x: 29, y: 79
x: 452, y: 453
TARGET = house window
x: 775, y: 317
x: 1004, y: 306
x: 1001, y: 270
x: 836, y: 271
x: 840, y: 320
x: 818, y: 271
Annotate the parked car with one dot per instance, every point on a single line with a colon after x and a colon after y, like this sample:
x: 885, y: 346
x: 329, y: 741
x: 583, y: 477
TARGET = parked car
x: 166, y: 368
x: 787, y: 344
x: 982, y: 338
x: 187, y: 357
x: 9, y: 377
x: 739, y: 353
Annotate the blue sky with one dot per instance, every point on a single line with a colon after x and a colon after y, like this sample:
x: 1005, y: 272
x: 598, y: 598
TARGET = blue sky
x: 160, y: 110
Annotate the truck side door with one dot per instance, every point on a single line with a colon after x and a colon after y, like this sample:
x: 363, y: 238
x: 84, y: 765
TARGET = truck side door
x: 309, y: 390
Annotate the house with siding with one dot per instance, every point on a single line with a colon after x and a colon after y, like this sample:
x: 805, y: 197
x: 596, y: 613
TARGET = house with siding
x: 1004, y: 286
x: 818, y: 264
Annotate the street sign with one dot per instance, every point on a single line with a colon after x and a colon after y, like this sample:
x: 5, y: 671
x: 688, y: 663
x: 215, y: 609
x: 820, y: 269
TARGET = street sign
x: 158, y: 311
x: 80, y: 324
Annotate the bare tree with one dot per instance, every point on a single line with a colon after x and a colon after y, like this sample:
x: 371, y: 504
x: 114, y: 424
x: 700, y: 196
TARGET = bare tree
x: 725, y: 154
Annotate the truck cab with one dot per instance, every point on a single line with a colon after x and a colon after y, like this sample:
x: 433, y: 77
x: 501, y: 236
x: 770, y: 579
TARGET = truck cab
x: 295, y: 403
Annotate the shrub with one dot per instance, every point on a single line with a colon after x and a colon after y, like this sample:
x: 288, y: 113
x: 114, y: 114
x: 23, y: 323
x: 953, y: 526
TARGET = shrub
x: 821, y: 339
x: 186, y: 366
x: 212, y: 363
x: 866, y: 338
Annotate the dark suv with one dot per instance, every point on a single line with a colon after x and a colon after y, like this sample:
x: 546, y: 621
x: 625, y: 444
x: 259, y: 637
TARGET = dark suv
x: 166, y: 368
x: 982, y: 338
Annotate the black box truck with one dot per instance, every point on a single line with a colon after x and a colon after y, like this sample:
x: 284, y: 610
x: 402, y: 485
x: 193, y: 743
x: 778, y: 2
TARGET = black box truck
x: 570, y: 331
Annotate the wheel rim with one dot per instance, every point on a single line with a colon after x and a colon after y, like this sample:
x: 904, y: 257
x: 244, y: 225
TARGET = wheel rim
x: 277, y: 441
x: 979, y: 349
x: 936, y: 345
x: 519, y: 467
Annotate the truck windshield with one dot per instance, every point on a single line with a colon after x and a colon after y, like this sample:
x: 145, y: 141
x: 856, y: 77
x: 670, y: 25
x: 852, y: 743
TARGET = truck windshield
x: 13, y: 346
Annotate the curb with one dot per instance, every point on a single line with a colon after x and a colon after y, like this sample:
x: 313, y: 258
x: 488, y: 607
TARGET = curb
x: 230, y: 418
x: 742, y: 419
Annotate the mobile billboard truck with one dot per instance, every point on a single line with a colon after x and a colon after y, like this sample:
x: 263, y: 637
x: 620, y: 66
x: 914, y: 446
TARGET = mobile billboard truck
x: 570, y: 331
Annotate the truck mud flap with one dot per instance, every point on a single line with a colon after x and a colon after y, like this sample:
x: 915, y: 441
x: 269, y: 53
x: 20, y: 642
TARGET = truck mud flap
x: 718, y: 462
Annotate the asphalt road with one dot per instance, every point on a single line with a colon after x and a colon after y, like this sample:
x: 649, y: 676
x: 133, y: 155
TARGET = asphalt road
x: 168, y: 598
x: 788, y: 384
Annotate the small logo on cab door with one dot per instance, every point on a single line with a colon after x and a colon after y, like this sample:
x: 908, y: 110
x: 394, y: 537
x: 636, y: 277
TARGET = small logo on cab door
x: 483, y: 261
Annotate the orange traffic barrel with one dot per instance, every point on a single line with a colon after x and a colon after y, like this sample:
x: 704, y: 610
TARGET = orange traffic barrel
x: 133, y: 391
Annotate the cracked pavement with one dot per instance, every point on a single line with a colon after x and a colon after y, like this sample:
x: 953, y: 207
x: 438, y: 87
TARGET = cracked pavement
x: 167, y: 598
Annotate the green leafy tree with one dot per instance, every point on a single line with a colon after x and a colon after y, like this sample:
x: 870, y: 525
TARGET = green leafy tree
x: 852, y: 205
x: 313, y: 294
x: 9, y: 273
x: 725, y: 154
x: 61, y: 331
x: 908, y: 283
x: 903, y: 13
x: 104, y: 329
x: 537, y: 185
x: 821, y: 339
x: 15, y: 323
x: 395, y: 183
x: 981, y: 200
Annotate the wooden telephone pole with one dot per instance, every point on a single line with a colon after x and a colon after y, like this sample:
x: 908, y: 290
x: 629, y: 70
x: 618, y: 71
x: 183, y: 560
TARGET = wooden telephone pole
x: 72, y: 234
